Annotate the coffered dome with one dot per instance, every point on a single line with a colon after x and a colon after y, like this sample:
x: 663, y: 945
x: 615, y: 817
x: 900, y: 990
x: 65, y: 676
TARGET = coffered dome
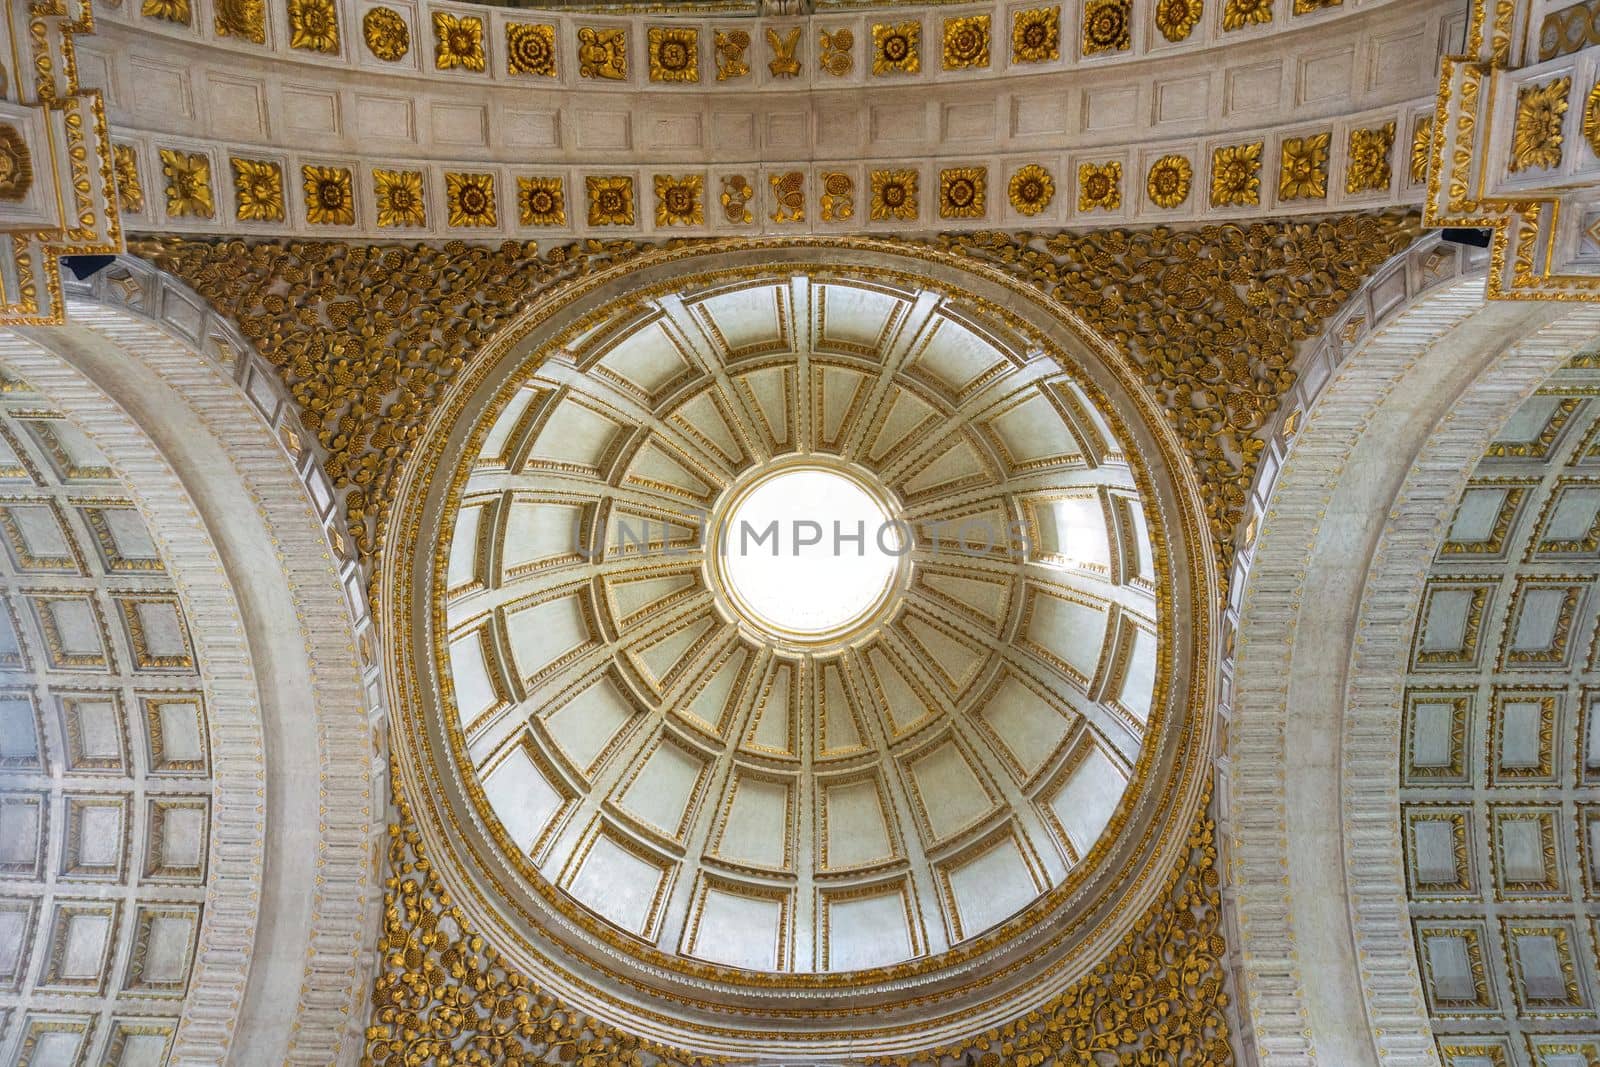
x: 720, y: 784
x: 792, y: 621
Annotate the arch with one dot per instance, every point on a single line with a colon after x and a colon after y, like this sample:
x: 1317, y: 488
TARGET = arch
x: 211, y: 454
x: 1358, y: 507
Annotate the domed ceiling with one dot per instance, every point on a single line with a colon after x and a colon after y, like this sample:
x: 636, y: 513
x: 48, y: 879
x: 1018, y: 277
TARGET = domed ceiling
x: 727, y: 789
x: 793, y: 622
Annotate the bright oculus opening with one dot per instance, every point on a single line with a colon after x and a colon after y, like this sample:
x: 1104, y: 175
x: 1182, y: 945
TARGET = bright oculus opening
x: 808, y: 554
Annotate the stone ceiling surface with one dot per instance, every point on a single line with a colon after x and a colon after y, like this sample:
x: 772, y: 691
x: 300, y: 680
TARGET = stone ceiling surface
x: 1500, y: 753
x: 337, y: 119
x: 690, y: 830
x: 105, y: 759
x: 728, y: 800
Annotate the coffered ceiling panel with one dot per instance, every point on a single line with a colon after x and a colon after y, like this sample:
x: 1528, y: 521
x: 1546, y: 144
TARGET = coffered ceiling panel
x: 784, y: 809
x: 105, y: 758
x: 1499, y: 765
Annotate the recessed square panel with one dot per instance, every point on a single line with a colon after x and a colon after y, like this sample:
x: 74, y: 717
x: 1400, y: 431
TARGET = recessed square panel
x: 854, y: 828
x: 97, y: 834
x: 21, y: 731
x: 1086, y: 797
x: 868, y: 927
x: 73, y: 631
x: 176, y: 733
x: 1453, y: 615
x: 1522, y: 732
x: 178, y: 830
x: 157, y: 633
x: 164, y: 939
x: 1526, y: 849
x: 82, y: 936
x: 1545, y: 971
x: 36, y: 538
x: 741, y: 926
x: 23, y: 837
x: 1455, y: 978
x: 1433, y: 746
x: 619, y: 882
x: 665, y: 788
x: 758, y: 828
x: 527, y: 796
x: 123, y: 539
x: 1438, y: 851
x: 988, y: 885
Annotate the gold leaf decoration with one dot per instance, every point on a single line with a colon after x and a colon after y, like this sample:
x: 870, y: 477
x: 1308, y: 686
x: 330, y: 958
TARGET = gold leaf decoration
x: 1169, y: 180
x: 894, y: 48
x: 1100, y: 186
x: 399, y: 197
x: 330, y: 200
x: 1306, y: 7
x: 1214, y: 311
x: 894, y: 195
x: 610, y: 200
x: 788, y: 196
x: 166, y: 10
x: 603, y: 53
x: 313, y: 26
x: 257, y: 190
x: 1421, y: 143
x: 457, y: 42
x: 834, y: 54
x: 961, y: 193
x: 368, y: 336
x: 1105, y: 26
x: 1368, y: 168
x: 130, y: 189
x: 966, y: 42
x: 783, y: 63
x: 735, y: 198
x: 1303, y: 167
x: 541, y: 202
x: 1031, y: 189
x: 188, y: 177
x: 1591, y: 119
x: 443, y: 995
x: 1176, y: 19
x: 674, y: 54
x: 838, y: 196
x: 470, y: 199
x: 1160, y: 998
x: 16, y: 164
x: 1036, y: 35
x: 1236, y: 175
x: 386, y: 33
x: 244, y: 19
x: 531, y: 48
x: 1237, y: 14
x: 732, y: 48
x: 679, y: 201
x: 1536, y: 135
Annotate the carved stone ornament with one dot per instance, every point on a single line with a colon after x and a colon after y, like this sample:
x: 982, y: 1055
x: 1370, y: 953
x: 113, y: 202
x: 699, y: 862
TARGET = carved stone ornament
x: 367, y: 337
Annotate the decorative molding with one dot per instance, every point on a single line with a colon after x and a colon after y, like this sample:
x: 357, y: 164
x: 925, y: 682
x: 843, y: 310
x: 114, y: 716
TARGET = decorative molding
x: 57, y: 175
x: 1216, y: 310
x: 1498, y: 154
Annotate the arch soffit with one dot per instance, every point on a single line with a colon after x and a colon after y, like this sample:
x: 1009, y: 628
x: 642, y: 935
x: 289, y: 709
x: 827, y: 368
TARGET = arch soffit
x: 1392, y: 412
x: 143, y: 358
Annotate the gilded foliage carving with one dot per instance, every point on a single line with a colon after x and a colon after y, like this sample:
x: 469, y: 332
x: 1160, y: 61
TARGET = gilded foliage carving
x: 367, y: 337
x: 443, y: 995
x: 1211, y: 314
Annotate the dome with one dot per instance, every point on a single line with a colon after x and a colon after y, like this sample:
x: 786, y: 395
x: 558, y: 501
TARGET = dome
x: 796, y: 630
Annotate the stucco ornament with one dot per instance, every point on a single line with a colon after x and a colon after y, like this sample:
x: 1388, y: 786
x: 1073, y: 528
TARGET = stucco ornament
x: 16, y: 164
